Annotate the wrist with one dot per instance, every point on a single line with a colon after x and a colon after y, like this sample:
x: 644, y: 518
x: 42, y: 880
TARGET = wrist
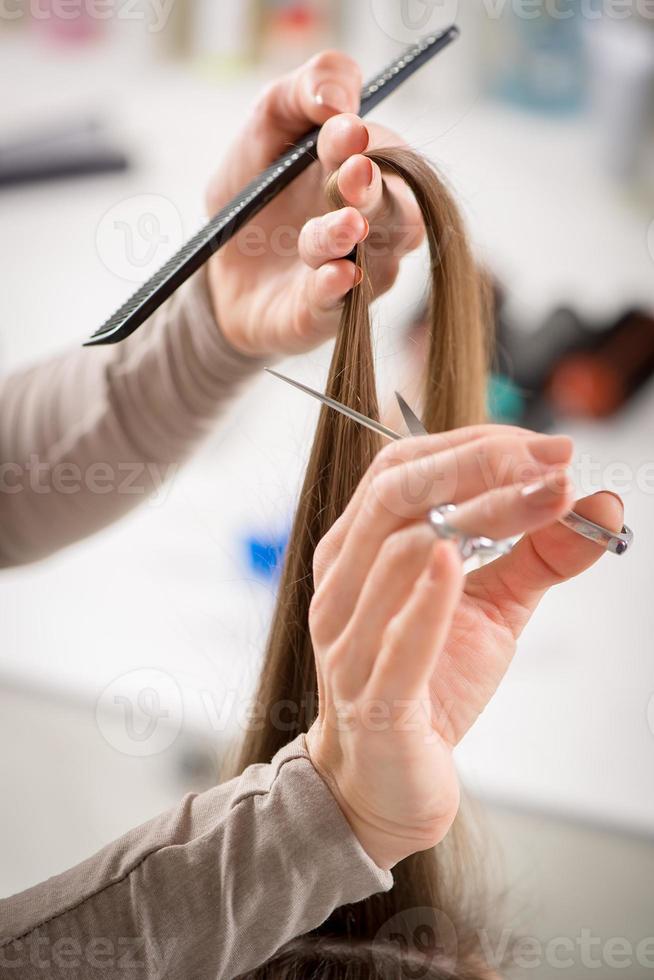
x: 386, y: 843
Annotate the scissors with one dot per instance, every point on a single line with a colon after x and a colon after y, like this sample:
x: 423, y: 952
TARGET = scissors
x: 439, y: 517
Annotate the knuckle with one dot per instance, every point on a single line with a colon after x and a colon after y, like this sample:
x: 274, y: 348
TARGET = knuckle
x: 318, y: 616
x: 397, y: 548
x: 387, y: 457
x: 406, y: 545
x: 493, y: 456
x: 335, y: 61
x: 325, y: 552
x: 266, y: 105
x: 513, y: 460
x: 335, y: 659
x: 394, y: 634
x: 382, y: 488
x: 311, y: 238
x: 489, y: 506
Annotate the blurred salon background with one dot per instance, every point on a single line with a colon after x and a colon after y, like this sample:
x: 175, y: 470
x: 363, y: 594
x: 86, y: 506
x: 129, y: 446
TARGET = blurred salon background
x: 129, y: 660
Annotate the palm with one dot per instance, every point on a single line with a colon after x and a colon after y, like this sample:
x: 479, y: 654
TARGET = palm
x: 257, y: 278
x: 497, y: 602
x: 477, y: 654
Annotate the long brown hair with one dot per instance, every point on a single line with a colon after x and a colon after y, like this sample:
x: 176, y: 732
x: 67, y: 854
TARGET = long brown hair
x: 454, y: 395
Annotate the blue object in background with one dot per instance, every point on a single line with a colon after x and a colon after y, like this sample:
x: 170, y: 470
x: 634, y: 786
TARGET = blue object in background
x: 543, y: 67
x: 266, y: 555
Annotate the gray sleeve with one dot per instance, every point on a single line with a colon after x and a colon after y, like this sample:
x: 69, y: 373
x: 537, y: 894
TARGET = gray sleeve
x: 86, y: 436
x: 210, y: 889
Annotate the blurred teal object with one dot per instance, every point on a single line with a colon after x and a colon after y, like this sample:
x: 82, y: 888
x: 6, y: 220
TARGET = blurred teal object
x: 542, y: 66
x: 505, y: 400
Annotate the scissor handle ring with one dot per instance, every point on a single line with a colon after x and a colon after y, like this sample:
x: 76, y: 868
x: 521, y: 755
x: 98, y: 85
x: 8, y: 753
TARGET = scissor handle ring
x: 469, y: 545
x: 615, y: 542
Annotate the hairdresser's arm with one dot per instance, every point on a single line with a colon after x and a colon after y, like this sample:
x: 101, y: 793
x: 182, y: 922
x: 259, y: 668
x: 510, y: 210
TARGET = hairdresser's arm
x: 86, y: 436
x: 212, y: 888
x: 216, y: 886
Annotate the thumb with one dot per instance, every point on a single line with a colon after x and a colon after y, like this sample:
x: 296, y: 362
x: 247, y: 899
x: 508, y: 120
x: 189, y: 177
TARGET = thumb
x: 517, y: 582
x: 327, y: 84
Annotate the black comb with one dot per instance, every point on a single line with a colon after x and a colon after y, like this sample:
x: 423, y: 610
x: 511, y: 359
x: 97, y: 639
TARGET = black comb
x: 252, y: 199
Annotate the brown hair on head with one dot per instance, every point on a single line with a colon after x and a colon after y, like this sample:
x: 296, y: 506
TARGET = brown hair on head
x: 336, y: 958
x: 454, y: 395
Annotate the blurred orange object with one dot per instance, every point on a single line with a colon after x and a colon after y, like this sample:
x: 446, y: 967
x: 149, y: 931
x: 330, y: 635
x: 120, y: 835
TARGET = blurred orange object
x: 596, y: 384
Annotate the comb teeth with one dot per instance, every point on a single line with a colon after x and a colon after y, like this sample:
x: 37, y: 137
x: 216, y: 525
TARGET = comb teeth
x: 218, y: 231
x: 204, y: 243
x: 407, y: 58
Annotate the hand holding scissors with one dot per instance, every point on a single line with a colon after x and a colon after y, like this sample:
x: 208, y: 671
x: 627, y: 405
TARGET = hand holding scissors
x: 442, y: 517
x: 393, y: 617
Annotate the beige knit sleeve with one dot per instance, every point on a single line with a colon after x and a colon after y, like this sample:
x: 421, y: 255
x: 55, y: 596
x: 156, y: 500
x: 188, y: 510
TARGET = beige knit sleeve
x: 212, y: 888
x: 86, y: 436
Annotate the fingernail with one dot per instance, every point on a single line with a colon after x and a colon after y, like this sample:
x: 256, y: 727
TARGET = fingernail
x: 551, y: 449
x: 543, y: 493
x: 358, y: 277
x: 371, y: 171
x: 331, y: 96
x: 366, y: 231
x: 611, y: 493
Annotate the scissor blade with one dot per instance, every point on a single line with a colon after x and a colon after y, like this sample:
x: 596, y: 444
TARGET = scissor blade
x: 350, y: 413
x: 411, y: 420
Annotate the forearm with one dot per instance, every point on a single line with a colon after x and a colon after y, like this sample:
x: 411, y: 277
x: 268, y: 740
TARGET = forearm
x: 88, y: 435
x: 211, y: 889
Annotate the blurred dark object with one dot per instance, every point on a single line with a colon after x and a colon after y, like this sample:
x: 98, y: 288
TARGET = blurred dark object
x: 572, y: 368
x: 528, y: 357
x: 568, y: 367
x: 72, y: 150
x: 597, y: 383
